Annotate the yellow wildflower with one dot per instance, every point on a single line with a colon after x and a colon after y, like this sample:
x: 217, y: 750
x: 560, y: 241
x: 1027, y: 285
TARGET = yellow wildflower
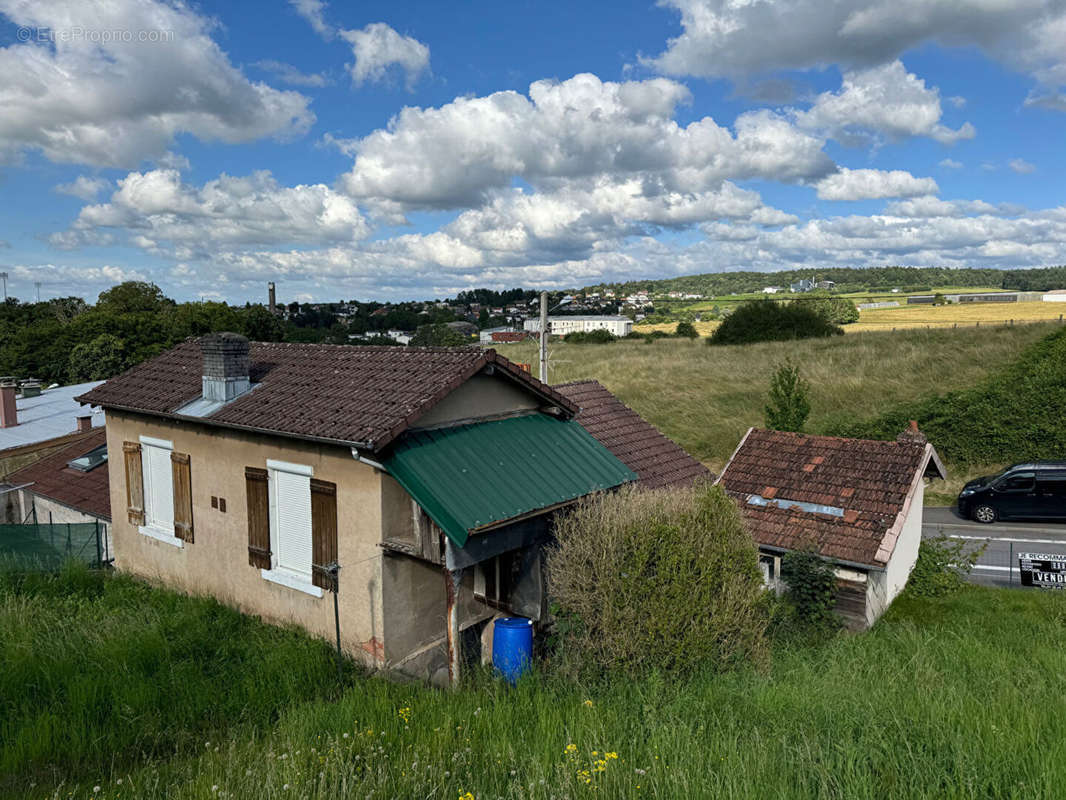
x: 466, y: 796
x: 612, y: 754
x: 588, y: 703
x: 571, y: 748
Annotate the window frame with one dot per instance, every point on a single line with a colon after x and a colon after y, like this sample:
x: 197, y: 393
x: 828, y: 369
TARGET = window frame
x: 277, y: 573
x: 152, y: 527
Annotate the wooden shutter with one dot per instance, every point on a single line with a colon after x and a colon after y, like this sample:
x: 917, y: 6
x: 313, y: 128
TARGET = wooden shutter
x: 323, y: 533
x: 179, y: 465
x: 134, y: 483
x: 255, y: 483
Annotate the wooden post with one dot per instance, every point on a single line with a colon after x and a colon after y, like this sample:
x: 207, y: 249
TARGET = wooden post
x: 453, y: 578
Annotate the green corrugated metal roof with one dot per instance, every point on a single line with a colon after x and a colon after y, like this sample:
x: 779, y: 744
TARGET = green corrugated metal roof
x: 475, y: 475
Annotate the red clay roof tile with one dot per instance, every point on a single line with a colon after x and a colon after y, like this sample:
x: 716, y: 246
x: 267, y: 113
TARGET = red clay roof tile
x: 88, y: 492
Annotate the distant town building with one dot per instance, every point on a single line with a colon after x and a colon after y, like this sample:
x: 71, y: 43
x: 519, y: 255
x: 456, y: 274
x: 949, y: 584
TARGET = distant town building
x: 771, y: 289
x: 485, y: 335
x: 826, y: 284
x: 1055, y: 296
x: 560, y: 326
x: 803, y: 285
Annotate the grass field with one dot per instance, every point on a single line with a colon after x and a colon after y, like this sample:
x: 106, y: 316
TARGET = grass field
x: 706, y: 397
x: 956, y: 698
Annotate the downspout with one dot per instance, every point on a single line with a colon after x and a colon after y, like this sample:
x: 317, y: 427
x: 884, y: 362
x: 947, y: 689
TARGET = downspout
x: 453, y: 578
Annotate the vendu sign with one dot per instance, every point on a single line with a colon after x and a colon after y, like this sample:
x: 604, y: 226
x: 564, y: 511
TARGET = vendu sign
x: 1044, y: 570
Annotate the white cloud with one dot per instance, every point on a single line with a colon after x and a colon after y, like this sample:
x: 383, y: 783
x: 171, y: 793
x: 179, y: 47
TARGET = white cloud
x: 65, y: 280
x: 885, y: 100
x: 377, y: 48
x: 314, y: 12
x: 872, y: 184
x: 156, y: 210
x: 731, y: 38
x: 950, y: 163
x: 117, y: 102
x: 85, y: 187
x: 582, y: 129
x: 929, y: 206
x: 1021, y: 166
x: 288, y: 74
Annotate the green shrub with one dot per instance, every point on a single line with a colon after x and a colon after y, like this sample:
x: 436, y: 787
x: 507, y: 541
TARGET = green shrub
x: 663, y: 579
x: 599, y: 336
x: 838, y: 310
x: 767, y: 321
x: 686, y: 330
x: 811, y: 586
x: 789, y: 404
x: 1016, y: 415
x: 942, y: 566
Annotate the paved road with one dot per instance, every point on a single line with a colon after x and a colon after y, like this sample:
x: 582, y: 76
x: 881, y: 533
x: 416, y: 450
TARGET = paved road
x: 999, y: 563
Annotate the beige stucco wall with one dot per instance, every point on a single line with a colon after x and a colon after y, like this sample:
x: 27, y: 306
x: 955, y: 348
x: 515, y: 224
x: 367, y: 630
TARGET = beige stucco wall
x: 216, y: 563
x: 481, y: 396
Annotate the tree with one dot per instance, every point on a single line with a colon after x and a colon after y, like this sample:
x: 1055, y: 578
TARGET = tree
x: 438, y: 335
x: 789, y: 406
x: 483, y: 318
x: 687, y: 330
x: 132, y: 296
x: 260, y: 325
x: 97, y: 360
x: 767, y: 321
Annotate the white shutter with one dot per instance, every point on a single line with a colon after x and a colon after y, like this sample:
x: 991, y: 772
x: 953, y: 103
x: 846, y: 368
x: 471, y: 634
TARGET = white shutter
x: 292, y: 504
x: 158, y: 485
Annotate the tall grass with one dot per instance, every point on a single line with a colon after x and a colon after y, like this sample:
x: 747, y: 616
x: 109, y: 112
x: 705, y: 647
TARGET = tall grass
x: 706, y: 397
x: 959, y: 697
x: 99, y: 671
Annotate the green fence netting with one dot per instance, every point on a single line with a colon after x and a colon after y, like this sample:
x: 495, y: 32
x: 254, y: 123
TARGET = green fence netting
x: 48, y: 545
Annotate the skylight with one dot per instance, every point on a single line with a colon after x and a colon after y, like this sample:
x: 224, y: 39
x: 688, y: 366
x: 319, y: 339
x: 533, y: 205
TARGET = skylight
x: 90, y: 460
x: 780, y: 502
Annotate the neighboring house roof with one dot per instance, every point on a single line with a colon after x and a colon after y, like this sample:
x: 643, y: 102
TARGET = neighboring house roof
x: 51, y: 477
x: 473, y: 477
x: 636, y: 442
x: 50, y: 414
x: 846, y: 497
x: 358, y: 396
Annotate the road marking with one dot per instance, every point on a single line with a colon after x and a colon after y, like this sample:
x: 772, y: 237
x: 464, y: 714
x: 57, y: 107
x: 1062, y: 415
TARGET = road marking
x: 997, y: 569
x: 1008, y: 539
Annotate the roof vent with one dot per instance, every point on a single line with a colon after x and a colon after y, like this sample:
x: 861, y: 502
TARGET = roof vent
x: 31, y: 388
x: 911, y: 434
x: 226, y: 366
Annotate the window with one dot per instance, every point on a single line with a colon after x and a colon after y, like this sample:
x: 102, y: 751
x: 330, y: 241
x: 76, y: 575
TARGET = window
x: 290, y: 526
x: 1018, y: 482
x: 90, y: 460
x: 1053, y: 483
x: 158, y: 489
x: 495, y: 578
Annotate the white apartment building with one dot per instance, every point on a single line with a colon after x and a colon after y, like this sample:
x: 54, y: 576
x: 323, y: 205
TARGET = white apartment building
x: 560, y: 326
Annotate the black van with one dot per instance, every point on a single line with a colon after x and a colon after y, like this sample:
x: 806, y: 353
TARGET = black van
x: 1036, y: 490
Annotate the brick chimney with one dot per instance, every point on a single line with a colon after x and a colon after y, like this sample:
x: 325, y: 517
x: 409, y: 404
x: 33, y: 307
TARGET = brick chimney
x: 9, y: 416
x: 85, y: 423
x: 226, y: 366
x: 911, y: 434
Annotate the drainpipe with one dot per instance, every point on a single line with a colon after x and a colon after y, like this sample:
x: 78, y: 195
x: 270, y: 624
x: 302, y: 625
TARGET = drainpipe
x: 452, y: 580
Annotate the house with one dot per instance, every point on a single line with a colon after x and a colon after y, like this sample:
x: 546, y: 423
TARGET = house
x: 560, y: 326
x: 403, y: 337
x: 856, y: 502
x: 510, y: 336
x: 464, y: 328
x: 771, y: 289
x: 68, y: 485
x: 40, y: 421
x: 802, y: 285
x: 486, y: 334
x: 825, y: 284
x: 428, y: 476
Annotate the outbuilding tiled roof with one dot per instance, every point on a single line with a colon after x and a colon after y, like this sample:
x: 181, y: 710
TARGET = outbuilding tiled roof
x: 863, y: 489
x: 363, y: 396
x: 635, y: 442
x: 50, y: 477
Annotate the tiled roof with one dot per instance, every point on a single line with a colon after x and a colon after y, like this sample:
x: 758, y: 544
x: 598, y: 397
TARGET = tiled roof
x: 52, y: 478
x: 362, y: 396
x: 635, y: 441
x: 869, y: 482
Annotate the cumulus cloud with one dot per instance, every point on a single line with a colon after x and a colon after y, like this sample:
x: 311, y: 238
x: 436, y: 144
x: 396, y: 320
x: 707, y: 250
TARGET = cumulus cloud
x: 63, y: 280
x: 288, y: 74
x: 84, y: 187
x: 873, y: 184
x: 378, y: 48
x: 951, y: 163
x: 115, y: 102
x: 725, y: 38
x: 1021, y: 166
x: 885, y: 100
x: 314, y: 12
x: 157, y: 210
x: 581, y: 129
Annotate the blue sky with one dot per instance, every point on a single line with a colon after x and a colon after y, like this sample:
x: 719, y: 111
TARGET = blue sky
x: 408, y: 150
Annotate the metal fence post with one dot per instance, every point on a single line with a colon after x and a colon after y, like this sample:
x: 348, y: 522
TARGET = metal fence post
x: 99, y: 563
x: 1010, y: 565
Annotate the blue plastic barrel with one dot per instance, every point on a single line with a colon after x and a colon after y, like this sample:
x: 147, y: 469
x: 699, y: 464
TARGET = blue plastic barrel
x: 512, y: 646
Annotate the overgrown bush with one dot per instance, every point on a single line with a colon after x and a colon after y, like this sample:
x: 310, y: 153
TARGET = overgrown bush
x: 790, y: 403
x: 1017, y: 414
x: 663, y: 579
x: 811, y: 586
x: 942, y: 566
x: 838, y: 310
x: 600, y: 336
x: 767, y: 321
x: 686, y: 330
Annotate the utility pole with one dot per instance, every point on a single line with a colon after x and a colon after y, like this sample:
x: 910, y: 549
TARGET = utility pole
x: 3, y: 277
x: 543, y: 337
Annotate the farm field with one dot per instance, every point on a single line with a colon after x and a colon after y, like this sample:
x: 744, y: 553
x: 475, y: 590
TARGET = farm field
x: 952, y: 697
x: 706, y: 397
x: 955, y: 314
